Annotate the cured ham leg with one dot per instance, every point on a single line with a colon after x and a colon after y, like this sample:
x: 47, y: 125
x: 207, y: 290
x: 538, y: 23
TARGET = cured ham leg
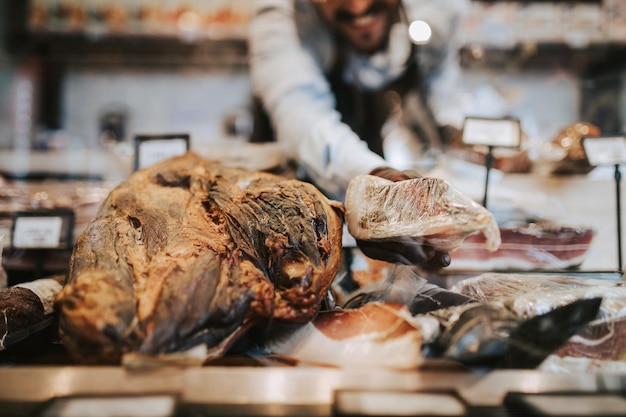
x: 189, y: 252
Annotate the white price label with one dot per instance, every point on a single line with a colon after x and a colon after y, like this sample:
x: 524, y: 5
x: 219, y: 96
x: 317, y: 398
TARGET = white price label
x: 37, y: 232
x: 131, y: 406
x: 605, y: 150
x: 157, y: 150
x: 491, y: 132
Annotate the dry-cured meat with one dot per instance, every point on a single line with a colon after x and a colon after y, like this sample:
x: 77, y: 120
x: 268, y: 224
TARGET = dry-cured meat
x: 529, y: 295
x: 529, y: 241
x: 492, y: 335
x: 525, y: 248
x: 191, y: 252
x: 27, y: 308
x: 426, y: 208
x: 374, y: 335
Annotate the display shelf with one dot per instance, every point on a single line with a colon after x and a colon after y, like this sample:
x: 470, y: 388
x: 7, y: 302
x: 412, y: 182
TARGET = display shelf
x: 544, y: 56
x: 54, y: 39
x: 120, y: 49
x: 569, y: 35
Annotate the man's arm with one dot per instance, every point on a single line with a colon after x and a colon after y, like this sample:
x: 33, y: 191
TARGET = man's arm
x: 287, y: 76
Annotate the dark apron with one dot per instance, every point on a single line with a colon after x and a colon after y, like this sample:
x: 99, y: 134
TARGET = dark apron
x: 367, y: 111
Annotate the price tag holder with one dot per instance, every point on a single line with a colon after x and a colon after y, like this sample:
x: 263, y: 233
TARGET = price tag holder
x: 154, y: 405
x: 492, y: 132
x: 605, y: 150
x: 562, y: 404
x: 53, y: 229
x: 609, y: 150
x: 398, y: 403
x: 150, y: 149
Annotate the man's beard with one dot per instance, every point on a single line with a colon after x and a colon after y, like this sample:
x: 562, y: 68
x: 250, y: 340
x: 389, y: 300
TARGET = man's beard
x: 343, y: 18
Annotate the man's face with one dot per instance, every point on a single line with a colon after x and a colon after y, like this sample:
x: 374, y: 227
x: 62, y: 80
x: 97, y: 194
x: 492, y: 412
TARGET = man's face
x: 364, y: 24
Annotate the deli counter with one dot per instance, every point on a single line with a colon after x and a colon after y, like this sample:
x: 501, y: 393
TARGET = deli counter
x: 208, y: 283
x: 575, y: 367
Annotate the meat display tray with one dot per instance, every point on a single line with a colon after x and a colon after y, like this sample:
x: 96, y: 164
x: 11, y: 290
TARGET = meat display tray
x: 245, y: 390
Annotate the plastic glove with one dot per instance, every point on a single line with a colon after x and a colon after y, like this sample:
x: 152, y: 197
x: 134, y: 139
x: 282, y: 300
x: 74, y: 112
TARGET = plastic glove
x: 405, y: 250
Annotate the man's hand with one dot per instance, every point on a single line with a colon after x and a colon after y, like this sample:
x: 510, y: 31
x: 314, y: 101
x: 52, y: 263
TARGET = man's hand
x: 395, y: 175
x: 405, y: 250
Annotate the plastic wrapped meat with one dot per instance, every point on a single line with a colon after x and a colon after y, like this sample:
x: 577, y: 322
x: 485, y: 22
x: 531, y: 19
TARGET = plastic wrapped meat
x: 497, y: 286
x: 494, y: 336
x: 426, y: 208
x: 190, y: 253
x: 535, y: 294
x: 604, y: 338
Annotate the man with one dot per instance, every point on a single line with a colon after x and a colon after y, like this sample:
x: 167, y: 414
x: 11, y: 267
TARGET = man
x: 329, y: 73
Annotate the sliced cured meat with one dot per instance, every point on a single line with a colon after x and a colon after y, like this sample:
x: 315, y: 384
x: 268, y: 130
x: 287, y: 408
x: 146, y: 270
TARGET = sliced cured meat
x: 375, y: 335
x: 534, y: 246
x: 189, y: 252
x: 427, y: 208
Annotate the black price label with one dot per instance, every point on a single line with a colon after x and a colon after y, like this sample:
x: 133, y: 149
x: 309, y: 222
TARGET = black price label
x: 43, y: 230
